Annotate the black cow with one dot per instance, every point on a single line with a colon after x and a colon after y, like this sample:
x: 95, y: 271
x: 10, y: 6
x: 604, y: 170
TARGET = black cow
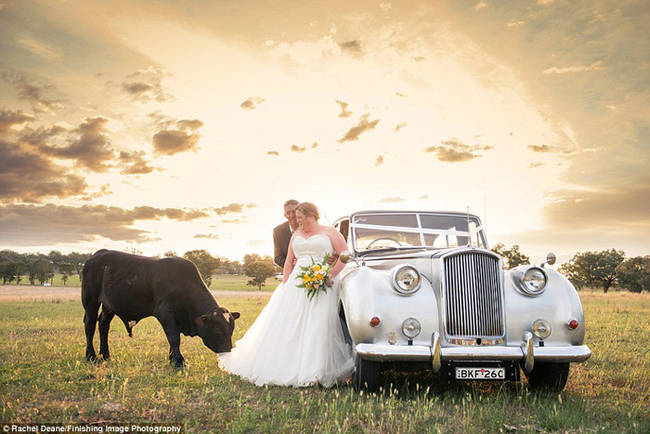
x: 135, y: 287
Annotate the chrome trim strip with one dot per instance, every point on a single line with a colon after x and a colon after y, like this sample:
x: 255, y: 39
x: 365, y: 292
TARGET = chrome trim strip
x: 414, y: 353
x: 529, y: 355
x: 436, y: 361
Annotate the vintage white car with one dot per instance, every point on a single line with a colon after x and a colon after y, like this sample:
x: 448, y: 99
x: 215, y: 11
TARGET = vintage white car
x: 422, y: 290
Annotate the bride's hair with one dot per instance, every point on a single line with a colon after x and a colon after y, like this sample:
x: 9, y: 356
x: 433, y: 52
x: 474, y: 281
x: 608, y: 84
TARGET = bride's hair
x: 308, y: 208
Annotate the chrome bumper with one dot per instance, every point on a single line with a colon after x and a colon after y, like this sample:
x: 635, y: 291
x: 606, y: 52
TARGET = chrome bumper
x: 424, y: 353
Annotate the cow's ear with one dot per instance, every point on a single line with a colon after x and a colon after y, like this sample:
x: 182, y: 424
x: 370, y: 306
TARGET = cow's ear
x: 235, y: 315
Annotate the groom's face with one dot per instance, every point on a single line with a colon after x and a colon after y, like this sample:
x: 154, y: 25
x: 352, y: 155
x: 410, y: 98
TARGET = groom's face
x: 290, y: 214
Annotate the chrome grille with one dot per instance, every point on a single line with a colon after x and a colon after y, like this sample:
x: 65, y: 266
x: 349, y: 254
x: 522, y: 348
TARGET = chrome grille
x: 472, y: 290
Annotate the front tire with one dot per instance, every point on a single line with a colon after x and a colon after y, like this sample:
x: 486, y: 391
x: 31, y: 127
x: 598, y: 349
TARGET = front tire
x: 548, y: 376
x: 367, y: 374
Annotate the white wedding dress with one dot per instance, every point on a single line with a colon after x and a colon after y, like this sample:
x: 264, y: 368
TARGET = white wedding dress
x: 295, y: 341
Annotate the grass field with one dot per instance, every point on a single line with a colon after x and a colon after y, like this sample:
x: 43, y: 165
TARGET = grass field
x: 223, y: 282
x: 44, y: 378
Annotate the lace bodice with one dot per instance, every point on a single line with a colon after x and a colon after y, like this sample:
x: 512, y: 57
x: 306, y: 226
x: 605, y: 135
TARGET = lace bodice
x: 315, y: 247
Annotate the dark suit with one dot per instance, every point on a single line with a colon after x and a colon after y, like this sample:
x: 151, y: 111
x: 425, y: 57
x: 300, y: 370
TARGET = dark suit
x: 281, y: 238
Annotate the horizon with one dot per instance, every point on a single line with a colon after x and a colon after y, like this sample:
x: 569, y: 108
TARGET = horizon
x: 159, y: 126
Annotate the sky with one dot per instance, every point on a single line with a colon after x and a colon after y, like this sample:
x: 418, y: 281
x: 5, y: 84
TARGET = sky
x: 170, y: 126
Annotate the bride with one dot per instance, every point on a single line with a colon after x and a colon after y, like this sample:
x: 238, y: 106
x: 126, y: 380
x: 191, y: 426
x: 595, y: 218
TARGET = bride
x: 296, y: 341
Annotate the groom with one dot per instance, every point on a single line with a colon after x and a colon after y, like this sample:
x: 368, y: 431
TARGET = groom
x: 282, y: 233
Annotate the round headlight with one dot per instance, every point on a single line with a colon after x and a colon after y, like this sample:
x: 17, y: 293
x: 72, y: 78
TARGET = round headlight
x: 406, y: 279
x: 541, y: 328
x: 533, y: 281
x: 411, y: 327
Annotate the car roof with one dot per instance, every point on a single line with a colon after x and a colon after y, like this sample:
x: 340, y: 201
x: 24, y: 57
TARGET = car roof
x: 384, y: 211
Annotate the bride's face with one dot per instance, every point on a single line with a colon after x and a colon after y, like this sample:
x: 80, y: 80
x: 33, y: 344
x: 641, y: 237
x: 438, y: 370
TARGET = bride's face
x: 304, y: 221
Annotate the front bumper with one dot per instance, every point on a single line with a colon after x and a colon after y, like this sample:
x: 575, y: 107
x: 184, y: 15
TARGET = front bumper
x: 526, y: 353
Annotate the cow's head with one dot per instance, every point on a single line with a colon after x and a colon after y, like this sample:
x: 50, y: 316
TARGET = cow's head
x: 216, y: 327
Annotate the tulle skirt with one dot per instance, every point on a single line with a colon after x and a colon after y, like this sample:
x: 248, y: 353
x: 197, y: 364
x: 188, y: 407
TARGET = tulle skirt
x: 293, y: 342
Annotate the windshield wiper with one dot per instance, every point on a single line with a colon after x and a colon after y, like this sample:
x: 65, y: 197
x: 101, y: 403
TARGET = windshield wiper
x: 392, y: 249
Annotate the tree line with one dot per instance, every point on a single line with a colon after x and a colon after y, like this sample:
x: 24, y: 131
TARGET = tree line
x: 16, y: 267
x: 602, y: 269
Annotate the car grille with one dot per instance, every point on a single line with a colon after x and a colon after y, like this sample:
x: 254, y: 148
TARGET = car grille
x: 472, y: 291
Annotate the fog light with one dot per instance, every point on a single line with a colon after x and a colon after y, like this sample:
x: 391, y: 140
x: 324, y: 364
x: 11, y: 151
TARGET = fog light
x: 411, y: 327
x: 573, y: 324
x: 542, y: 328
x: 375, y: 321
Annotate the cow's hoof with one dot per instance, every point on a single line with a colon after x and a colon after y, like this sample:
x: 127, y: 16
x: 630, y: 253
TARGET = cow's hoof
x: 91, y: 357
x: 106, y: 357
x: 178, y: 364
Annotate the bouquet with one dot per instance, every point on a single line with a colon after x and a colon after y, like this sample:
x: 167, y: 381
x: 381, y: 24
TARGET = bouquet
x: 315, y: 277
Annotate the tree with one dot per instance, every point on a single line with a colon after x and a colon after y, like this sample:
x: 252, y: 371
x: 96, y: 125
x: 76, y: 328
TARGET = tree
x: 44, y: 269
x: 205, y: 262
x: 512, y: 257
x: 10, y: 265
x: 78, y: 260
x: 259, y: 271
x: 169, y: 254
x: 66, y: 270
x: 593, y: 268
x: 634, y: 274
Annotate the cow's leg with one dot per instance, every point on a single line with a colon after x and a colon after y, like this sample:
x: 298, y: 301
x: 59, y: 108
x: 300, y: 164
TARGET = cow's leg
x: 174, y: 338
x: 105, y: 319
x: 90, y: 322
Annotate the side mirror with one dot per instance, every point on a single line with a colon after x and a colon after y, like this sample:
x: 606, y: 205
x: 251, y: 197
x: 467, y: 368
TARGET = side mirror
x: 550, y: 259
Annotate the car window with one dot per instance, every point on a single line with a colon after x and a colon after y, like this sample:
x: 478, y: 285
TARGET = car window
x: 399, y: 220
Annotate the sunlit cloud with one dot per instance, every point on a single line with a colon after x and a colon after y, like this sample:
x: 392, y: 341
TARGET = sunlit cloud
x: 344, y: 111
x: 252, y: 103
x: 133, y: 163
x: 40, y: 48
x: 454, y: 151
x: 9, y: 118
x: 298, y: 149
x: 535, y: 165
x: 364, y: 125
x: 575, y: 68
x: 33, y: 92
x: 399, y: 126
x: 233, y: 207
x: 184, y: 137
x: 145, y: 85
x: 392, y: 200
x: 379, y: 161
x: 207, y: 236
x: 276, y: 153
x: 352, y: 47
x: 26, y: 225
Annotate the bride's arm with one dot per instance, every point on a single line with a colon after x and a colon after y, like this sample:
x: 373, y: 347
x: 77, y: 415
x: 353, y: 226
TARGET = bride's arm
x: 288, y: 263
x: 339, y: 245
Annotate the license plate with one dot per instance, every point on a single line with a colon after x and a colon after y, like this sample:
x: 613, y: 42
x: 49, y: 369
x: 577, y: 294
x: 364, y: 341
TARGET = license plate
x: 463, y: 373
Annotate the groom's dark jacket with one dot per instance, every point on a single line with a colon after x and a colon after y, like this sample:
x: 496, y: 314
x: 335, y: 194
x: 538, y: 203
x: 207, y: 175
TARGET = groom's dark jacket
x: 281, y: 238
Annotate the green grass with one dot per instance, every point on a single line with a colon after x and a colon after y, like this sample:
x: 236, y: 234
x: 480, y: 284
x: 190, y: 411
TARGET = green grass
x: 44, y: 378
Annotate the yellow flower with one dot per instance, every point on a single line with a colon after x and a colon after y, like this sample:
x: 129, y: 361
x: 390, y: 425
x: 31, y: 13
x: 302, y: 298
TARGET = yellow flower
x: 316, y: 267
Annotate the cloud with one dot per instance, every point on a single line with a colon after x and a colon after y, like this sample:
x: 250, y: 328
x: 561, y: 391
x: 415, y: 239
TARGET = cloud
x: 553, y: 149
x: 399, y: 126
x: 454, y: 151
x: 545, y: 2
x: 91, y: 149
x: 207, y: 236
x: 252, y: 103
x: 535, y: 165
x: 133, y: 163
x: 234, y: 221
x: 32, y: 225
x: 32, y: 92
x: 424, y: 196
x: 480, y: 5
x: 385, y: 6
x: 251, y: 205
x: 145, y: 85
x: 298, y: 149
x: 401, y: 95
x: 613, y: 207
x: 9, y: 118
x: 392, y: 200
x: 276, y: 153
x: 314, y: 145
x: 513, y: 23
x: 233, y: 207
x: 379, y: 161
x: 575, y: 68
x: 344, y: 112
x: 352, y: 47
x: 103, y: 191
x: 184, y: 137
x: 29, y: 177
x: 354, y: 132
x: 40, y: 48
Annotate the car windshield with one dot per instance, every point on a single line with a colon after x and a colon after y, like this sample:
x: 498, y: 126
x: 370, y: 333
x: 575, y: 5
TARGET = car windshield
x: 409, y: 230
